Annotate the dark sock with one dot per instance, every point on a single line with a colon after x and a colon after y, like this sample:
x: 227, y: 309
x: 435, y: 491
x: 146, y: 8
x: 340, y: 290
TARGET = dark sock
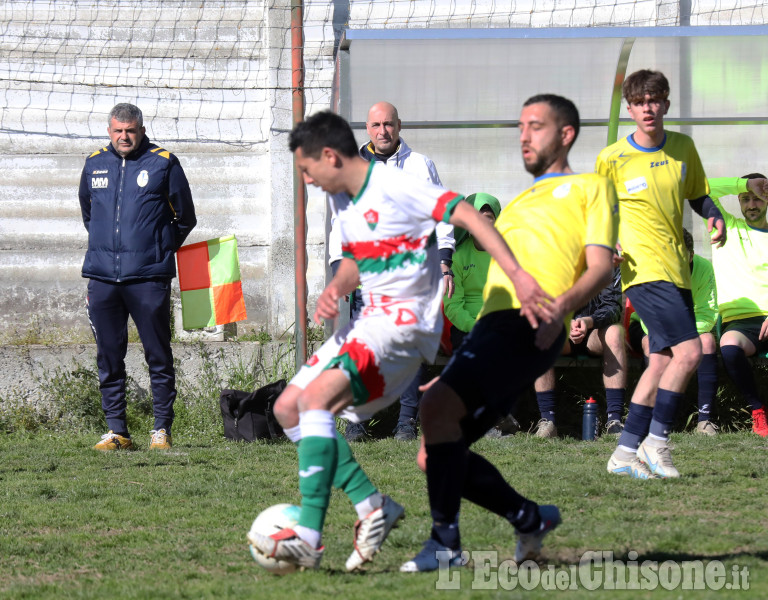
x: 636, y: 426
x: 485, y: 486
x: 614, y: 399
x: 739, y: 370
x: 446, y: 468
x: 707, y: 377
x: 546, y: 402
x: 664, y: 412
x: 528, y: 518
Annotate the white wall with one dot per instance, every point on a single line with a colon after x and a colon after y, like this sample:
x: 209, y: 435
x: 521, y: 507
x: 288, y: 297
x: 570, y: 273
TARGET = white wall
x: 214, y: 82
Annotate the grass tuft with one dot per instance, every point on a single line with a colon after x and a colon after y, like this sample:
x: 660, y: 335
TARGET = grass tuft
x: 81, y: 524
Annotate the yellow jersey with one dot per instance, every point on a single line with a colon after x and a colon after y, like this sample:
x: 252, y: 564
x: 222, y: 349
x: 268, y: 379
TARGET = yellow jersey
x: 548, y: 227
x: 652, y: 185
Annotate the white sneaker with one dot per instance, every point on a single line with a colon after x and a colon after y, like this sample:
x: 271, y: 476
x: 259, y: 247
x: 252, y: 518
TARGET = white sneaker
x: 371, y: 532
x: 545, y: 429
x: 286, y: 545
x: 529, y: 544
x: 658, y: 459
x: 707, y: 428
x: 434, y: 556
x: 634, y: 468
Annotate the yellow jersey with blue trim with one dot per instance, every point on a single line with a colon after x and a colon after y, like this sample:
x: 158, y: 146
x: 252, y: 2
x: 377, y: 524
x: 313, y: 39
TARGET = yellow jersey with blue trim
x: 548, y: 227
x: 652, y: 185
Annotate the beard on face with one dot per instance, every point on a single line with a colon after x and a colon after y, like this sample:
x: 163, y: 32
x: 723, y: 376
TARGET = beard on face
x: 753, y: 216
x: 544, y: 158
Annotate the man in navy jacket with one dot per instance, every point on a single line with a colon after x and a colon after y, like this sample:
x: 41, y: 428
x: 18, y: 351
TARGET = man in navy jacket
x: 137, y: 208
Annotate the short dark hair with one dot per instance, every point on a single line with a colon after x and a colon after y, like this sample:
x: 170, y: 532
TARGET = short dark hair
x: 645, y: 82
x: 126, y: 113
x: 323, y: 130
x: 565, y: 110
x: 688, y: 240
x: 753, y: 176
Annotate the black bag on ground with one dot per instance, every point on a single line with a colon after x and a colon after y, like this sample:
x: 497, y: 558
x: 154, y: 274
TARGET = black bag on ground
x: 248, y: 416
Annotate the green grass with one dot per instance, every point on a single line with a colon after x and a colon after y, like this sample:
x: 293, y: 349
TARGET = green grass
x: 75, y: 523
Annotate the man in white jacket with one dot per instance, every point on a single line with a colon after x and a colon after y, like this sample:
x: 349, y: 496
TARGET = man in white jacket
x: 386, y: 146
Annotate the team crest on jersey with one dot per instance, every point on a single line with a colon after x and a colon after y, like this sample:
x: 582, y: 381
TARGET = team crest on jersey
x: 561, y: 191
x: 372, y: 218
x: 143, y: 179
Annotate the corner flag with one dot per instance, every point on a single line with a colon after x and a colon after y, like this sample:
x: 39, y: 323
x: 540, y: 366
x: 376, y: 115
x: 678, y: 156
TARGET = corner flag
x: 209, y: 278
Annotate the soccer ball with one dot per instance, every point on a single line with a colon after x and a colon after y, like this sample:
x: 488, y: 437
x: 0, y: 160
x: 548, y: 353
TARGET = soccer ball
x: 270, y: 521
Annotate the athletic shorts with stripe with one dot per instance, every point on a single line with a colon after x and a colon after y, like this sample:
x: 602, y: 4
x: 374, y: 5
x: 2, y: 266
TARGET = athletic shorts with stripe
x: 379, y: 354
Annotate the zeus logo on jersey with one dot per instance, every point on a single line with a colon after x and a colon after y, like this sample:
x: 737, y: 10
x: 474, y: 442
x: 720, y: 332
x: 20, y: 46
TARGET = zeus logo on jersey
x: 659, y: 163
x: 99, y: 182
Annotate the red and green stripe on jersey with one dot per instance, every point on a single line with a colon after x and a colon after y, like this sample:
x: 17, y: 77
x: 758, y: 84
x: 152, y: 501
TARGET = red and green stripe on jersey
x: 445, y: 205
x: 389, y: 254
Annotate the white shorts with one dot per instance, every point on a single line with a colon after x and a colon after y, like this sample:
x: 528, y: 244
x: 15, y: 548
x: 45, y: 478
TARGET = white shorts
x: 380, y: 358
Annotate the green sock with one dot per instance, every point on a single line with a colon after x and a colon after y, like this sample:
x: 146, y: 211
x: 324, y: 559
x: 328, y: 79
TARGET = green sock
x: 350, y: 477
x: 317, y: 466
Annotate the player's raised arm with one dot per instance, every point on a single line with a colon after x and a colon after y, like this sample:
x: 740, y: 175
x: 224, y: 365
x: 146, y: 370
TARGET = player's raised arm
x: 706, y: 208
x: 534, y: 301
x: 759, y: 187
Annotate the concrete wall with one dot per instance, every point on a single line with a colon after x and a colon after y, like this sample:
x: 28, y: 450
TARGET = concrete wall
x: 23, y: 368
x: 214, y: 81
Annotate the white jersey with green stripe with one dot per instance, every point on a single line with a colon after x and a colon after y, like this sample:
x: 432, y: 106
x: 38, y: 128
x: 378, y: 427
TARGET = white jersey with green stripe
x: 388, y: 230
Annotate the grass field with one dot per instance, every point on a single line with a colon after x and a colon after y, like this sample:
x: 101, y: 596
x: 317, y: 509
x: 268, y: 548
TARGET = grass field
x: 75, y: 523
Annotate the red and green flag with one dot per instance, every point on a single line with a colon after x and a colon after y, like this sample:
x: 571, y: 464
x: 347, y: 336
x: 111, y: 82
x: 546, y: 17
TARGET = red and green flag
x: 209, y: 278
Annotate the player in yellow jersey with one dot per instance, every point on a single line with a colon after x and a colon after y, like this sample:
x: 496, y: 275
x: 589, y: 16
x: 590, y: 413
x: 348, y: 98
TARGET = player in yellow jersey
x: 654, y: 172
x: 740, y: 269
x: 562, y: 231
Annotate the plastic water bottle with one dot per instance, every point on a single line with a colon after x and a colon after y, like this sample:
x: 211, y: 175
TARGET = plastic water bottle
x: 589, y: 420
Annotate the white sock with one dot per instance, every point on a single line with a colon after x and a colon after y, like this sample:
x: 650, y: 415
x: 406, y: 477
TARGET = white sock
x: 367, y: 506
x: 293, y: 433
x: 626, y: 453
x: 311, y: 536
x: 317, y: 423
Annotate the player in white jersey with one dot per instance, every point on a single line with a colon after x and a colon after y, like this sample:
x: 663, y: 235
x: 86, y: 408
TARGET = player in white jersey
x: 387, y: 220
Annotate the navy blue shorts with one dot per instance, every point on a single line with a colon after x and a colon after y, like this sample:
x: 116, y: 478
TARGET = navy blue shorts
x: 494, y: 365
x: 667, y: 312
x: 750, y: 329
